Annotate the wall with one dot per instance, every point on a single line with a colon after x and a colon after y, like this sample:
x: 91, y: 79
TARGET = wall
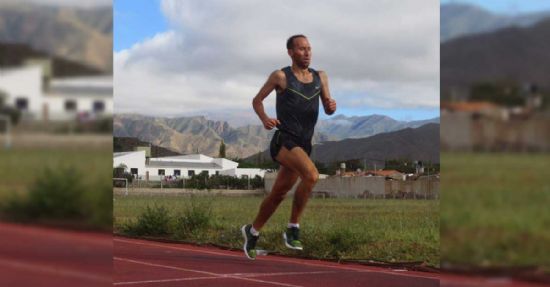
x: 132, y: 160
x: 464, y: 132
x: 370, y: 186
x: 25, y: 82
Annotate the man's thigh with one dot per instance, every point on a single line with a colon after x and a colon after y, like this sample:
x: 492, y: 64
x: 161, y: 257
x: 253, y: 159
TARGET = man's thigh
x: 296, y: 160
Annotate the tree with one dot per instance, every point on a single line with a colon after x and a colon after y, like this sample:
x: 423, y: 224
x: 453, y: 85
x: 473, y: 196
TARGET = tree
x: 506, y: 93
x: 222, y: 150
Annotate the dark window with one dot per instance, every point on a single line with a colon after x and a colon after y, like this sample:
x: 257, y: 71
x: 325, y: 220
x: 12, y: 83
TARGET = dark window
x: 99, y: 107
x: 161, y: 171
x: 205, y: 172
x: 217, y: 172
x: 177, y: 172
x: 70, y: 106
x: 191, y: 173
x: 134, y: 171
x: 22, y: 104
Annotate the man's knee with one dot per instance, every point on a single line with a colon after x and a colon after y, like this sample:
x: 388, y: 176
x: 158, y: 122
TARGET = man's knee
x: 311, y: 177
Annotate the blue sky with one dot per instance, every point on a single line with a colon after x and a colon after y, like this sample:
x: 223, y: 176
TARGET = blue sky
x: 135, y: 21
x: 397, y: 114
x: 508, y: 6
x: 170, y: 53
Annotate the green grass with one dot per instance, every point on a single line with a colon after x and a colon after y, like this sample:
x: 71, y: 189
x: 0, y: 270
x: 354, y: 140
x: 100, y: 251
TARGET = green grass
x: 42, y: 171
x: 21, y: 167
x: 383, y: 230
x: 495, y: 209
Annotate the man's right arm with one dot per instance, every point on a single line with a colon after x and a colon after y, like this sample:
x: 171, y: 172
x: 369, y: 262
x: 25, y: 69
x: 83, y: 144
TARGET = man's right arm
x: 274, y: 81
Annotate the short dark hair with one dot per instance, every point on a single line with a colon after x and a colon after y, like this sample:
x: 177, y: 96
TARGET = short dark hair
x: 290, y: 41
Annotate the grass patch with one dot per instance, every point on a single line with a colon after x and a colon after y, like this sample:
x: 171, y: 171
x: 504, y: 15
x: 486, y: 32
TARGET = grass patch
x: 494, y: 209
x: 60, y: 186
x: 194, y: 220
x: 154, y: 221
x: 384, y: 230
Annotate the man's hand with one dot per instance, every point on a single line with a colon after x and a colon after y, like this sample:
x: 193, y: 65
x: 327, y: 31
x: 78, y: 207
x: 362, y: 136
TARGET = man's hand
x: 270, y: 123
x: 330, y: 106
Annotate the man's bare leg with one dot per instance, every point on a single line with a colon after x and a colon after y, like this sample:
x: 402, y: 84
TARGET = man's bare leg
x: 299, y: 161
x: 286, y: 178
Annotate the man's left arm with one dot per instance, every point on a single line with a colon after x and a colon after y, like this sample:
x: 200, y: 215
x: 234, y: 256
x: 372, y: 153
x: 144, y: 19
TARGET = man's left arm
x: 328, y: 103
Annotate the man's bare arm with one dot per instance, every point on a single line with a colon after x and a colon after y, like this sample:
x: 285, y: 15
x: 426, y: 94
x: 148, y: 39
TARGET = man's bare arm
x: 274, y: 81
x: 329, y: 104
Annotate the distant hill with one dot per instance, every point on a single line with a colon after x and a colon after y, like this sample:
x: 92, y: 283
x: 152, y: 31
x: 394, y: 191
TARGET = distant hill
x: 412, y: 143
x: 122, y: 144
x: 83, y: 35
x: 459, y: 20
x: 518, y: 54
x: 200, y: 135
x: 341, y: 127
x: 420, y: 143
x: 192, y: 134
x: 13, y: 55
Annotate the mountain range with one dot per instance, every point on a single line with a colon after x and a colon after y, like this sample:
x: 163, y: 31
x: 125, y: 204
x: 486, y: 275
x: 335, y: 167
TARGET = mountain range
x: 199, y: 135
x: 421, y: 143
x: 465, y: 19
x: 341, y: 127
x: 516, y: 54
x: 80, y: 34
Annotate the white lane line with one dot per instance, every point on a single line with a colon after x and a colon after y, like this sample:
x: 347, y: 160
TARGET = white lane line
x: 164, y: 280
x: 247, y: 275
x: 302, y: 262
x: 203, y: 272
x: 54, y: 271
x: 174, y: 247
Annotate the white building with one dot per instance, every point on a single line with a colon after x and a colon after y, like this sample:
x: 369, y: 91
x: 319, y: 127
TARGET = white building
x: 64, y: 98
x: 244, y: 172
x: 134, y: 161
x: 180, y: 166
x: 22, y: 89
x: 91, y: 97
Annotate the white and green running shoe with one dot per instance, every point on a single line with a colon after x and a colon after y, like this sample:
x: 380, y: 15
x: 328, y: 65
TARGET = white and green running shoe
x: 249, y: 242
x: 292, y: 238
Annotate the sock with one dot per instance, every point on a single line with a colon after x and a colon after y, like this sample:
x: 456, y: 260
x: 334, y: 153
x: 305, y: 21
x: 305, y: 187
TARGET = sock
x: 254, y: 232
x: 290, y: 225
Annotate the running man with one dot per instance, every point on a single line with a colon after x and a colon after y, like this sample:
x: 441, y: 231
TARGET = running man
x: 298, y: 90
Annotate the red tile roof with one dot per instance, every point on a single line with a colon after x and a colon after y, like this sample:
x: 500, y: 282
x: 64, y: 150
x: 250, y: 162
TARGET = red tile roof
x: 468, y: 106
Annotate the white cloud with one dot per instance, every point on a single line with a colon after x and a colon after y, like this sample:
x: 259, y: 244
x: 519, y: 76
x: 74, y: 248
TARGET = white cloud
x: 217, y: 54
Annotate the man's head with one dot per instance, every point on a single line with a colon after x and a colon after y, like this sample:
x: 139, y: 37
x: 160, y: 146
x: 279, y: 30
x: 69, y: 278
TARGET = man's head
x: 299, y: 50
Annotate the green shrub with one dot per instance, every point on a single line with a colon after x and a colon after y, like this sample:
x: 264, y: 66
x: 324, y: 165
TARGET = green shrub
x: 155, y: 221
x: 56, y: 194
x: 99, y: 207
x: 194, y: 220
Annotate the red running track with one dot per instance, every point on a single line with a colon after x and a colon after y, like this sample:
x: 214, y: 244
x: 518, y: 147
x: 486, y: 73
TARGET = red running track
x: 45, y: 257
x: 155, y: 264
x: 144, y: 263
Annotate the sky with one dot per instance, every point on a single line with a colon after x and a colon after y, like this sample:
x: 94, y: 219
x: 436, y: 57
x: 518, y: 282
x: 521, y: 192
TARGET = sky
x: 192, y: 57
x: 508, y: 6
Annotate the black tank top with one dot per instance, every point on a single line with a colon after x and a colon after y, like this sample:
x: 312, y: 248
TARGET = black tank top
x: 298, y: 105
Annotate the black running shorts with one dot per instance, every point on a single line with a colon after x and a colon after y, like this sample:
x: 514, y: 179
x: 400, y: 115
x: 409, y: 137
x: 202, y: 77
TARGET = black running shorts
x: 282, y: 139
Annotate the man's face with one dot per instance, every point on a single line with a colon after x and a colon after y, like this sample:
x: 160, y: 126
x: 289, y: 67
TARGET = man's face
x: 301, y: 52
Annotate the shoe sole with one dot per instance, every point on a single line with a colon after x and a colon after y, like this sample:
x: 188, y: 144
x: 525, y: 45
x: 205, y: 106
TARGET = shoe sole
x: 290, y: 246
x: 243, y: 231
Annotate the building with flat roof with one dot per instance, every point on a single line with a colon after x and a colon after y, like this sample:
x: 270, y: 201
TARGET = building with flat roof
x: 184, y: 166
